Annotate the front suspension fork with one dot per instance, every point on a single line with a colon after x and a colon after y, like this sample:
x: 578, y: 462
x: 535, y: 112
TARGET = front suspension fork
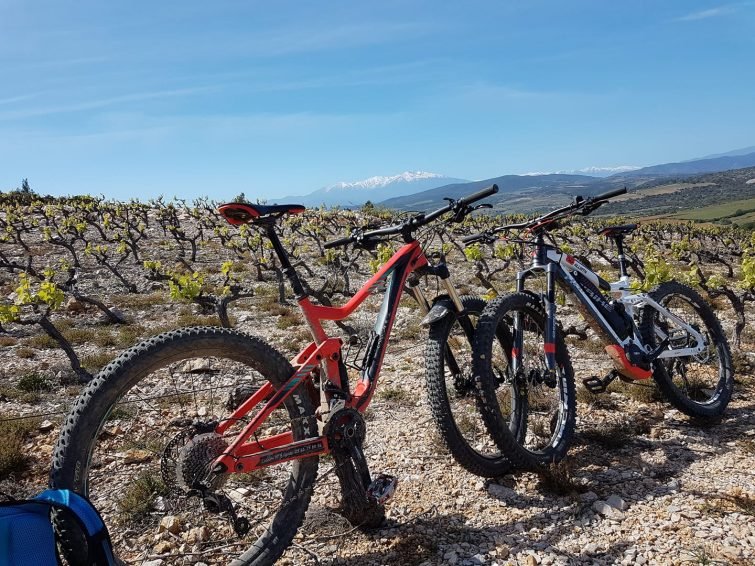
x: 424, y: 305
x: 549, y: 304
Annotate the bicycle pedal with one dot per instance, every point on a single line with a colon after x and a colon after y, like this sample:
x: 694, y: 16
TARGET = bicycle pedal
x: 382, y: 488
x: 596, y: 385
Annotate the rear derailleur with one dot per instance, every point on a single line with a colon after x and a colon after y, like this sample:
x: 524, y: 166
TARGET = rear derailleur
x: 220, y: 504
x: 185, y: 469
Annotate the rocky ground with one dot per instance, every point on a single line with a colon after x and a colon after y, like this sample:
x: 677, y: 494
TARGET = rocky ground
x: 642, y: 483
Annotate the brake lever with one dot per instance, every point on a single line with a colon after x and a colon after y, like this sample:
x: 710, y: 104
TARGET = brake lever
x: 591, y: 207
x: 361, y: 242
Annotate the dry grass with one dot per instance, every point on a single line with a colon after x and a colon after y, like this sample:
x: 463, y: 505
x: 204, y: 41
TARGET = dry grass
x: 274, y: 308
x: 99, y: 336
x: 408, y: 302
x: 736, y: 500
x: 190, y: 319
x: 595, y: 400
x: 558, y: 479
x: 8, y: 341
x: 395, y: 395
x: 135, y: 300
x: 41, y: 341
x: 79, y: 335
x: 615, y: 434
x: 288, y: 319
x: 644, y: 392
x: 95, y: 362
x: 748, y: 445
x: 136, y: 500
x: 130, y: 335
x: 25, y: 352
x: 13, y: 435
x: 412, y: 331
x: 415, y: 548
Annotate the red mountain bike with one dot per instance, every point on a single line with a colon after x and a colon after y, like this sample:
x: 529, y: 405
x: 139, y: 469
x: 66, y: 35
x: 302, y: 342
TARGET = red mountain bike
x: 150, y: 436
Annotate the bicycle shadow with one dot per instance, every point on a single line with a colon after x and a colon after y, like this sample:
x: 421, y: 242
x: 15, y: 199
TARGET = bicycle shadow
x: 644, y: 465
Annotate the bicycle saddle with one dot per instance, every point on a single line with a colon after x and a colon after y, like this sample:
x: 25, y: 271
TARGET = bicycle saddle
x: 610, y: 231
x: 238, y: 213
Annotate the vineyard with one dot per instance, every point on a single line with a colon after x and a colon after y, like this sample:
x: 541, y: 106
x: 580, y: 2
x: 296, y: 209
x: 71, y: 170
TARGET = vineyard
x: 84, y: 278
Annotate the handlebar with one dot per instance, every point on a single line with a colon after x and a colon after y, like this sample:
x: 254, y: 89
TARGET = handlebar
x: 611, y: 194
x: 336, y: 243
x: 460, y: 207
x: 479, y: 195
x: 586, y: 206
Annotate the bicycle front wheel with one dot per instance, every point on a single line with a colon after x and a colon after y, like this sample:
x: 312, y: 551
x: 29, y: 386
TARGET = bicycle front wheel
x: 452, y: 394
x: 141, y: 436
x: 534, y: 423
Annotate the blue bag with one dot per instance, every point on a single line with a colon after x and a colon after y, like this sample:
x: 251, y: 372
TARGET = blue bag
x: 27, y: 537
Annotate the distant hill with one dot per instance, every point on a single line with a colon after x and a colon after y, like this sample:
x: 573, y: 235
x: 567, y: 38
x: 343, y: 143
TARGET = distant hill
x: 521, y: 189
x: 535, y: 192
x: 356, y: 193
x: 706, y: 165
x: 671, y: 196
x: 734, y: 152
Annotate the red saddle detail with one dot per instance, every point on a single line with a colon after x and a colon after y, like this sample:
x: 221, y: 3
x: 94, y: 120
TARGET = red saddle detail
x: 616, y: 230
x: 238, y: 213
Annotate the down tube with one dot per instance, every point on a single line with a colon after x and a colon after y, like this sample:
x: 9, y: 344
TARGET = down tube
x: 373, y: 357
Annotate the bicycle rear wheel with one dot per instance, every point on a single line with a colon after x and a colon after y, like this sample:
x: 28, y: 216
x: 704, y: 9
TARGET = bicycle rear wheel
x: 700, y: 385
x: 142, y: 434
x: 452, y: 394
x: 534, y: 426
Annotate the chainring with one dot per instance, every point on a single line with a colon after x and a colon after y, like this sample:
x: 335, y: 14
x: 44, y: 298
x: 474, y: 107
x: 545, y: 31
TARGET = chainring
x: 345, y: 426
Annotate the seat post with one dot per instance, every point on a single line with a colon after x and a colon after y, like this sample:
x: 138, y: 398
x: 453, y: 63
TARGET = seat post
x: 619, y: 239
x: 288, y: 269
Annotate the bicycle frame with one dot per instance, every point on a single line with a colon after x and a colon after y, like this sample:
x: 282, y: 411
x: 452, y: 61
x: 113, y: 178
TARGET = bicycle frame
x: 244, y: 455
x: 567, y: 270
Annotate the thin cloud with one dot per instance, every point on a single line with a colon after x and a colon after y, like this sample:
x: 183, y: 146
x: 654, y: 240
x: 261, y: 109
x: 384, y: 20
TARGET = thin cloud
x: 249, y: 81
x: 706, y: 14
x: 494, y: 92
x: 20, y: 98
x: 145, y: 128
x: 102, y: 103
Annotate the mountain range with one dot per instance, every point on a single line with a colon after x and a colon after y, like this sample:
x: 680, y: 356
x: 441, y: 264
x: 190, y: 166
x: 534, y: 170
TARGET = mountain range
x: 356, y: 193
x: 527, y: 193
x: 421, y: 190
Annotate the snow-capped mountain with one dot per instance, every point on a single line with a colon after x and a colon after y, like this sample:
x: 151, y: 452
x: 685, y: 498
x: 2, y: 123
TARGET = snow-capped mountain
x: 603, y: 171
x: 590, y: 171
x: 378, y: 188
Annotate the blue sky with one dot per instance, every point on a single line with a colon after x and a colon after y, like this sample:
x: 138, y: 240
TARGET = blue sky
x: 136, y: 99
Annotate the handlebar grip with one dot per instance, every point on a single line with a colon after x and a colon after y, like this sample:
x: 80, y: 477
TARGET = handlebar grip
x: 479, y: 195
x: 338, y: 242
x: 472, y: 238
x: 611, y: 194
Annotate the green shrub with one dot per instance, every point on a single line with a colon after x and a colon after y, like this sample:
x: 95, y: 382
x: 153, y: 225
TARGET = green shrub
x: 34, y: 383
x: 136, y: 500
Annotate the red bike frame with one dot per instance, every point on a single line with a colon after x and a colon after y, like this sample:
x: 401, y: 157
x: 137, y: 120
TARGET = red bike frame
x: 245, y: 454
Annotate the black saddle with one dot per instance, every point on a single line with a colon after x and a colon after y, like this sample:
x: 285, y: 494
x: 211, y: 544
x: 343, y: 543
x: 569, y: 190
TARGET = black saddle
x: 238, y: 213
x: 613, y: 231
